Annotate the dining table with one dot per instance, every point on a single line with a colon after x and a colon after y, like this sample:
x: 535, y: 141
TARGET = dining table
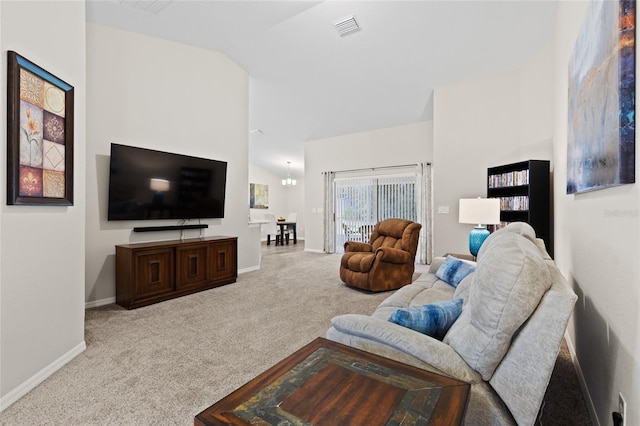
x: 286, y: 226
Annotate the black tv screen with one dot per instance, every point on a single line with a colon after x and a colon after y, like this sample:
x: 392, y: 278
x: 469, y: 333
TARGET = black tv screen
x: 145, y: 184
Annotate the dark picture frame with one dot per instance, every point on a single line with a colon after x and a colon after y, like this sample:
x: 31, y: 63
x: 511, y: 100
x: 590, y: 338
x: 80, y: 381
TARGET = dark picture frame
x: 39, y: 135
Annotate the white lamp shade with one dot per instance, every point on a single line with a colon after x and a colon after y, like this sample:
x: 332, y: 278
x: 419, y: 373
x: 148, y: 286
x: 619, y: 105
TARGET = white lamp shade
x: 481, y: 211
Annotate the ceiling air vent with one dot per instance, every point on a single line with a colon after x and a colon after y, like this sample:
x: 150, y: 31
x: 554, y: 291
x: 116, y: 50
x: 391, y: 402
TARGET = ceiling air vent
x: 150, y: 6
x: 347, y: 26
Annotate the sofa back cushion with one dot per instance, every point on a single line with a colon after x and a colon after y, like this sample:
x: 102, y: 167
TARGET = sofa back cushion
x: 509, y: 281
x: 520, y: 228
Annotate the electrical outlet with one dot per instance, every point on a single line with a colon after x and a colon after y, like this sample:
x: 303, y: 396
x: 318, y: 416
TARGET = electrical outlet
x: 622, y: 408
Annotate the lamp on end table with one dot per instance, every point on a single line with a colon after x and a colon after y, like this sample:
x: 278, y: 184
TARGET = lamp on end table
x: 480, y: 211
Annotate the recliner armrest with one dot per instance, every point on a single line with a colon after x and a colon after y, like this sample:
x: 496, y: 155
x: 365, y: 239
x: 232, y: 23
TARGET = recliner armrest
x: 436, y: 262
x: 393, y: 255
x: 351, y: 246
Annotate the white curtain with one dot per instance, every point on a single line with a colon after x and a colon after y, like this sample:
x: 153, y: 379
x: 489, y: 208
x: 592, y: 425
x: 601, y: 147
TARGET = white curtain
x: 424, y: 213
x: 328, y: 205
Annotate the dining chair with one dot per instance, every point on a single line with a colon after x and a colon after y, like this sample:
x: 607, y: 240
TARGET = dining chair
x: 292, y: 217
x: 272, y: 228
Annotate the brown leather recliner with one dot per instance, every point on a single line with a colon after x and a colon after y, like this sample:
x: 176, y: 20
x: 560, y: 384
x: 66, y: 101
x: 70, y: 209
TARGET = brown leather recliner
x: 387, y: 261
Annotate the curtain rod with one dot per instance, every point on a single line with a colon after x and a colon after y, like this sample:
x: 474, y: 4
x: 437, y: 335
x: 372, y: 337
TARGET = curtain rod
x: 378, y: 168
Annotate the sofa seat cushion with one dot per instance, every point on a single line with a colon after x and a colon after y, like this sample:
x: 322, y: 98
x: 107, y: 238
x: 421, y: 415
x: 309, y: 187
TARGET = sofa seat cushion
x: 427, y: 280
x: 424, y: 290
x: 439, y: 292
x: 358, y: 261
x: 507, y: 286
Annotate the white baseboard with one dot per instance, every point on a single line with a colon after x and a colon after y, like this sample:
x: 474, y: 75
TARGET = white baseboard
x: 583, y: 384
x: 40, y: 376
x: 101, y: 302
x: 314, y: 251
x: 249, y: 269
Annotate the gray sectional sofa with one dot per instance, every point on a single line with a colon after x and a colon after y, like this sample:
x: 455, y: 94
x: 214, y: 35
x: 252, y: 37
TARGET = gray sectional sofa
x: 504, y: 343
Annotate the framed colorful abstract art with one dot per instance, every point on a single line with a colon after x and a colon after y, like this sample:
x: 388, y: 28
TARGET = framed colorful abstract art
x: 39, y: 135
x: 258, y: 196
x: 601, y: 122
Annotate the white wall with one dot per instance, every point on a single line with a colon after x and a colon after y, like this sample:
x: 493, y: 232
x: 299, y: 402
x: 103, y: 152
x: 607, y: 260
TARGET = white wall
x: 42, y: 248
x: 478, y: 124
x: 282, y: 200
x: 152, y: 93
x: 400, y: 145
x: 597, y: 248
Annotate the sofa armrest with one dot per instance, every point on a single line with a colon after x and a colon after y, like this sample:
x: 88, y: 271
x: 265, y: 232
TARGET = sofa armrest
x: 351, y: 246
x: 436, y: 262
x: 393, y: 255
x: 438, y: 356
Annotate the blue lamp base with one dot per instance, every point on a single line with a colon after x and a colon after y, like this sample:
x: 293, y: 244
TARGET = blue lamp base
x: 476, y: 238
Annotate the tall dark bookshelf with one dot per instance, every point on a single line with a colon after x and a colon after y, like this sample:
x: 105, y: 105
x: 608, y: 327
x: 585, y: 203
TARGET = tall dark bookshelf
x: 525, y: 195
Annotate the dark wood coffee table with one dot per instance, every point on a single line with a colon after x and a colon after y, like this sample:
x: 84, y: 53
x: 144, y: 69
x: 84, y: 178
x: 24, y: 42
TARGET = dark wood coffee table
x: 327, y: 383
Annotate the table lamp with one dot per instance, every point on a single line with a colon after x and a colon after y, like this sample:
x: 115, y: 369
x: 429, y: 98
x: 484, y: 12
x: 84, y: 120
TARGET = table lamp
x: 481, y: 211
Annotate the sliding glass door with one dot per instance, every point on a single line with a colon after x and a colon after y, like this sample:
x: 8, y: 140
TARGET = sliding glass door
x: 361, y: 202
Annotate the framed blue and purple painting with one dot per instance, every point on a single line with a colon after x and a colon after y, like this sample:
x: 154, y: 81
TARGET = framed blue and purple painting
x: 601, y: 127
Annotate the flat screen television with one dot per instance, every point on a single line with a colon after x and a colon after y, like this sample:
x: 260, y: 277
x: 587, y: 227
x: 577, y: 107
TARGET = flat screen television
x: 145, y: 184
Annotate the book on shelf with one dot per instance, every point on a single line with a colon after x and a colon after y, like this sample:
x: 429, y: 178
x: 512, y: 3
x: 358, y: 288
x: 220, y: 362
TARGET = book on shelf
x: 504, y: 180
x: 517, y: 203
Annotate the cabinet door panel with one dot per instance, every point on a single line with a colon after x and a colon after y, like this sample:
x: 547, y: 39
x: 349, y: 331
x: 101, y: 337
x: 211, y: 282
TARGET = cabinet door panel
x: 154, y: 273
x: 192, y: 266
x: 223, y: 261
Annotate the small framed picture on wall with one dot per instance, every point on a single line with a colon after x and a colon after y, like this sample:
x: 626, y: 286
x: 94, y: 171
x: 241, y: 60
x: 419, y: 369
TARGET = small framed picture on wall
x: 258, y: 196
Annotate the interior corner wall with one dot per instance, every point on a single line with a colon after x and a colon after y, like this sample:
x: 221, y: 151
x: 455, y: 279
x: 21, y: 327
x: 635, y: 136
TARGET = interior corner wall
x: 482, y: 123
x: 42, y: 248
x: 400, y: 145
x: 597, y: 247
x: 158, y: 94
x: 282, y: 200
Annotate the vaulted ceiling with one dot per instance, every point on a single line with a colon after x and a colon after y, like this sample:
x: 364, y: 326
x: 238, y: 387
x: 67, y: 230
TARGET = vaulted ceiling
x: 307, y: 82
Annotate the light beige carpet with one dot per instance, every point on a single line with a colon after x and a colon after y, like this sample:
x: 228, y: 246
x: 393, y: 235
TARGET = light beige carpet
x: 164, y: 363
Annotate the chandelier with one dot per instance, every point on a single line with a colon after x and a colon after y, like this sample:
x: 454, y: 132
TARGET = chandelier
x: 288, y: 181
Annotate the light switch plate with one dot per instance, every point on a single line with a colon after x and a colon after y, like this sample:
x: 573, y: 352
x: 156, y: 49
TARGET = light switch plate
x: 443, y: 209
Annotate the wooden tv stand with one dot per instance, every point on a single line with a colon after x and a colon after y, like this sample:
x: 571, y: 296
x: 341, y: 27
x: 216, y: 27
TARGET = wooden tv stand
x: 152, y: 272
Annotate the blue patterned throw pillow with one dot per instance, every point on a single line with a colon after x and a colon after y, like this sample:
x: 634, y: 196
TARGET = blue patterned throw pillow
x: 433, y: 320
x: 453, y: 270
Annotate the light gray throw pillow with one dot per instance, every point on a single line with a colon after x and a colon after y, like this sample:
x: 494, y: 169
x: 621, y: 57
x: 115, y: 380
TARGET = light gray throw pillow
x: 507, y: 285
